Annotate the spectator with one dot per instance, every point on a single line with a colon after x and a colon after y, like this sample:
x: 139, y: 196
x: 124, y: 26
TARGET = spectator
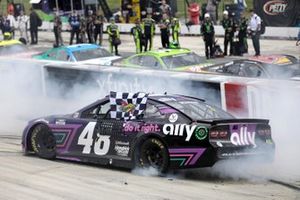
x: 164, y: 26
x: 22, y: 23
x: 82, y: 30
x: 211, y: 9
x: 126, y: 10
x: 57, y: 28
x: 74, y: 22
x: 6, y: 25
x: 34, y: 22
x: 98, y: 31
x: 254, y: 30
x: 208, y: 32
x: 164, y: 8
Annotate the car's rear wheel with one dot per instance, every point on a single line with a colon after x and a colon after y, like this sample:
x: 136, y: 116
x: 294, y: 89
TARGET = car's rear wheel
x: 43, y: 142
x: 153, y: 153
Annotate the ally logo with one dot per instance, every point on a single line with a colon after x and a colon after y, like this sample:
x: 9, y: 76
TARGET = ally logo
x: 243, y: 137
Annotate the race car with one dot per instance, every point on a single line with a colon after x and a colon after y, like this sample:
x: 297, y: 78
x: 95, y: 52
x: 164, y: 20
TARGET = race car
x: 167, y: 59
x: 79, y: 53
x: 149, y: 130
x: 15, y: 48
x: 274, y: 66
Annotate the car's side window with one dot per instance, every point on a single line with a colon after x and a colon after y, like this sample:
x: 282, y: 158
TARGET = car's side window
x: 52, y: 54
x: 97, y: 111
x: 151, y: 62
x: 135, y: 60
x: 62, y: 55
x: 253, y: 70
x: 233, y: 69
x: 152, y: 112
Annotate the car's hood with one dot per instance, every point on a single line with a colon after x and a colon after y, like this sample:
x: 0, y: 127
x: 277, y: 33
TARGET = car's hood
x: 100, y: 61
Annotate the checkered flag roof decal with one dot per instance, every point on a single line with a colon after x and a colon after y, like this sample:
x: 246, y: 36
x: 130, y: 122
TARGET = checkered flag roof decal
x: 127, y: 105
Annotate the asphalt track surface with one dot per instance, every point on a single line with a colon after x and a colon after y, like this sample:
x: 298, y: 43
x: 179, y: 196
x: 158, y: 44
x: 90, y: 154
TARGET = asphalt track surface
x: 29, y: 177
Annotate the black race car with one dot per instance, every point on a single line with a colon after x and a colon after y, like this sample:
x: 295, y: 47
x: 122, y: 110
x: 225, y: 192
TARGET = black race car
x: 141, y: 130
x: 273, y: 67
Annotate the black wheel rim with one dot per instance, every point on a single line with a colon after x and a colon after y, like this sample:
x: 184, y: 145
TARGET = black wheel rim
x: 48, y: 141
x: 154, y: 156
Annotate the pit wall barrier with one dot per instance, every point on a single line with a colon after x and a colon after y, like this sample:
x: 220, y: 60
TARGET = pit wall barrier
x: 271, y: 32
x: 243, y: 97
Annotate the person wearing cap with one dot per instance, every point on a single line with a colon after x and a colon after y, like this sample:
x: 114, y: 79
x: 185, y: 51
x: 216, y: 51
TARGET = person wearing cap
x: 208, y: 32
x: 74, y: 22
x: 229, y: 27
x: 148, y: 27
x: 137, y: 33
x: 254, y: 27
x: 113, y: 36
x: 175, y: 27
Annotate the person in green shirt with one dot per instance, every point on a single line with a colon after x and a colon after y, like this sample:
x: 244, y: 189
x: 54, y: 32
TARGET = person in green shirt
x: 137, y: 33
x: 175, y: 27
x: 113, y: 36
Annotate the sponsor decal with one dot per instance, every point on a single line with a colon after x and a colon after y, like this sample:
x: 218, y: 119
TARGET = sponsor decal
x: 180, y: 130
x: 186, y: 156
x: 122, y: 148
x: 201, y: 132
x: 145, y: 128
x: 244, y: 137
x: 173, y: 118
x: 275, y: 7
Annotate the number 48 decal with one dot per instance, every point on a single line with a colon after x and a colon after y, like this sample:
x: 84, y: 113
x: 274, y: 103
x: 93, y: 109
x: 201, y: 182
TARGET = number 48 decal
x: 101, y: 144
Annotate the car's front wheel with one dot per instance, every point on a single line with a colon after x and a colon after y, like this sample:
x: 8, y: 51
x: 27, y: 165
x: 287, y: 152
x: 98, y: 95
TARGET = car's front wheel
x: 43, y: 142
x: 153, y: 153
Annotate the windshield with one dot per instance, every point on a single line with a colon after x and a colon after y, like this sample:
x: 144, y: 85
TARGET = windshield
x: 182, y: 60
x: 12, y: 49
x: 88, y: 54
x: 199, y: 110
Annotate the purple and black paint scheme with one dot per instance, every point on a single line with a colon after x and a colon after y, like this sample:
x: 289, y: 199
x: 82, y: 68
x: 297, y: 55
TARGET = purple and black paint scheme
x: 191, y: 142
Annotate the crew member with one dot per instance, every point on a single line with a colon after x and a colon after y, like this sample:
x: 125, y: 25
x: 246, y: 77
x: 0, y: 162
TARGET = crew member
x: 165, y: 31
x: 243, y: 34
x: 74, y: 22
x: 34, y: 22
x: 148, y: 27
x: 90, y: 26
x: 175, y: 27
x: 254, y: 30
x: 22, y: 21
x: 113, y: 36
x: 208, y: 32
x: 228, y: 25
x: 137, y: 33
x: 57, y: 29
x: 98, y: 31
x: 82, y: 30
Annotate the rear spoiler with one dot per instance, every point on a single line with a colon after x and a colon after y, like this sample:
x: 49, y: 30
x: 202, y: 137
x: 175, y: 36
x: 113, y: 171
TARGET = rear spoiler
x: 227, y: 121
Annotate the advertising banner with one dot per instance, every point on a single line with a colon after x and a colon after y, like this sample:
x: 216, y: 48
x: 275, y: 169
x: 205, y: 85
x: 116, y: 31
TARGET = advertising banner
x: 281, y: 13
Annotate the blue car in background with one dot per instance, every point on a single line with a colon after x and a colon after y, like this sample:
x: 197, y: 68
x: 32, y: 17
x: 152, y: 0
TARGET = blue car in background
x: 79, y: 53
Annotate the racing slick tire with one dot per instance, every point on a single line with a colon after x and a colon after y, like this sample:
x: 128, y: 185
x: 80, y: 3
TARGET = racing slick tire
x: 153, y: 153
x: 43, y: 142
